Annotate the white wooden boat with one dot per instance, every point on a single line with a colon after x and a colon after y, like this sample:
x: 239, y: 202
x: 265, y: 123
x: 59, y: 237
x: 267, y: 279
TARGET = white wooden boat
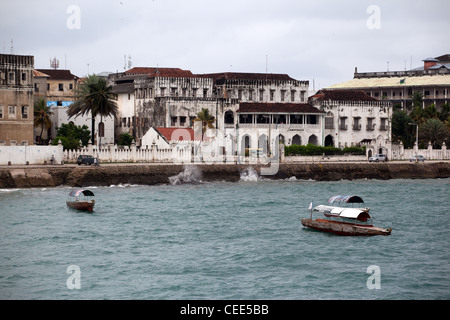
x: 343, y: 220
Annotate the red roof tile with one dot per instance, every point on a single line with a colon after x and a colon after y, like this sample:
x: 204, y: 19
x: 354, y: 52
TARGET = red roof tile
x: 171, y: 134
x: 277, y: 107
x: 160, y: 72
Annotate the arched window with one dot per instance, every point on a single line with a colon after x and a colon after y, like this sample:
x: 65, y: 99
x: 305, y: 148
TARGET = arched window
x: 262, y: 143
x: 312, y: 140
x: 329, y: 141
x: 101, y: 129
x: 297, y: 140
x: 229, y: 117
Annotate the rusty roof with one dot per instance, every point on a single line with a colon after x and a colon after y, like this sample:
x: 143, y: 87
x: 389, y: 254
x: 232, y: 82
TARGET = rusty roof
x: 37, y: 73
x: 342, y: 95
x: 246, y: 76
x: 277, y: 108
x: 58, y: 74
x: 160, y: 72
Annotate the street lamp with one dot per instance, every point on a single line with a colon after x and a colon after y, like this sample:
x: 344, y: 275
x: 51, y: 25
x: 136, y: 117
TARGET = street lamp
x: 417, y: 135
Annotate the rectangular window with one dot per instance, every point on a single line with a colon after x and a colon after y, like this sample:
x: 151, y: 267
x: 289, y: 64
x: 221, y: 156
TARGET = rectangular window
x: 1, y: 112
x: 250, y: 95
x: 61, y: 87
x: 329, y: 123
x: 302, y: 96
x: 292, y: 95
x: 163, y: 92
x: 272, y: 94
x: 71, y: 86
x: 283, y: 92
x: 205, y: 93
x: 11, y: 77
x: 24, y: 112
x: 36, y: 87
x: 12, y: 112
x: 48, y: 86
x: 261, y: 95
x: 24, y: 76
x: 184, y: 90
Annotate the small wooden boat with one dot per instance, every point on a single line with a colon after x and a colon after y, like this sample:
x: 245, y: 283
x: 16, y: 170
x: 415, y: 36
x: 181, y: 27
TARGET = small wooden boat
x: 81, y: 199
x: 343, y: 220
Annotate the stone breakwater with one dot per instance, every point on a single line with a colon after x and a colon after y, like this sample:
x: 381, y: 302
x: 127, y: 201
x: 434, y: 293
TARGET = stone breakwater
x: 106, y: 175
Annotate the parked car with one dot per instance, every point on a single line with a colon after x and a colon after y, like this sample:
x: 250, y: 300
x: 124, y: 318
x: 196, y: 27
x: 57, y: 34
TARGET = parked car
x: 417, y: 158
x: 378, y: 158
x: 85, y: 159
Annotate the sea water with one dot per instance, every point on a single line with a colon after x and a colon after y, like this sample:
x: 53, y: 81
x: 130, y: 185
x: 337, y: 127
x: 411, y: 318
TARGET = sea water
x: 190, y: 239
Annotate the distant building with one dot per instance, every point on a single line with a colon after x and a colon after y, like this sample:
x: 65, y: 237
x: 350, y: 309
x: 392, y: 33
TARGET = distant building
x: 354, y: 118
x: 246, y: 106
x: 16, y: 99
x: 432, y: 80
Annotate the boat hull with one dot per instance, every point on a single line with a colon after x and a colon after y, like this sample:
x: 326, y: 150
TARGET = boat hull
x: 81, y: 205
x: 345, y: 229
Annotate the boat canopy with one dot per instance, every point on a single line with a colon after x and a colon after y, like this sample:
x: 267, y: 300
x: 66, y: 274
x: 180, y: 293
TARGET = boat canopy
x: 350, y: 213
x: 78, y: 192
x: 346, y: 199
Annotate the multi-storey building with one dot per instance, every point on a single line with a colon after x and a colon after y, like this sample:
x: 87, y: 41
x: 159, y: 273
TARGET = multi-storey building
x: 248, y: 108
x: 354, y: 118
x: 432, y: 80
x: 16, y: 99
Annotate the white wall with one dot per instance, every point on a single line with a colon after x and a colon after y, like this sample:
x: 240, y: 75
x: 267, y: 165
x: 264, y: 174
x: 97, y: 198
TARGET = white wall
x: 20, y: 155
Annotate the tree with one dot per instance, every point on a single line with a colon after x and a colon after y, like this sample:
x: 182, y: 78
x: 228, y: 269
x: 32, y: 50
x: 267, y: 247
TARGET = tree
x: 42, y: 115
x: 94, y: 96
x: 435, y: 131
x: 125, y: 139
x: 417, y: 113
x: 206, y: 119
x: 401, y: 130
x: 71, y: 135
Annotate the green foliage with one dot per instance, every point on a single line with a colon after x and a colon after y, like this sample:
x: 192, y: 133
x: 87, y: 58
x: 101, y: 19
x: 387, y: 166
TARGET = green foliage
x: 312, y: 150
x: 125, y: 139
x: 70, y: 136
x: 434, y: 131
x: 401, y: 130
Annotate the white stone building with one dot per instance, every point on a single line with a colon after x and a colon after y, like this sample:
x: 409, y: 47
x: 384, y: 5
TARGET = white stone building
x: 354, y: 118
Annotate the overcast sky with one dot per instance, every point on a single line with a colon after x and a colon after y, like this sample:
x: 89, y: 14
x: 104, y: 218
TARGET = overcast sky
x: 320, y: 41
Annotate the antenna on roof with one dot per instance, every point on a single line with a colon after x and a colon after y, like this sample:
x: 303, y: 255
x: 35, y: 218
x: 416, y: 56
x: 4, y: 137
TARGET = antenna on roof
x: 54, y: 63
x: 12, y: 46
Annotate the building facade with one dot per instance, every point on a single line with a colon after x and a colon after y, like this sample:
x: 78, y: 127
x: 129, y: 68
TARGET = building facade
x: 354, y: 118
x: 16, y: 100
x: 251, y: 105
x: 432, y: 80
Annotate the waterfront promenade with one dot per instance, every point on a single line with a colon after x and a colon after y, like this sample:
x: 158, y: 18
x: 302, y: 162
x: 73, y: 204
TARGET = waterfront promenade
x: 153, y: 174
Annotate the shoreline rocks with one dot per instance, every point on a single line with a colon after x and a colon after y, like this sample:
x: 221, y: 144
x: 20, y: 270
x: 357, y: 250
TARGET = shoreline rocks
x: 151, y: 174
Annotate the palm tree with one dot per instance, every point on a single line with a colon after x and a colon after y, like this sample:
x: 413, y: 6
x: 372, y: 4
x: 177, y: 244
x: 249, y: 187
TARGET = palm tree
x: 42, y: 115
x: 435, y: 131
x: 94, y: 96
x: 206, y: 119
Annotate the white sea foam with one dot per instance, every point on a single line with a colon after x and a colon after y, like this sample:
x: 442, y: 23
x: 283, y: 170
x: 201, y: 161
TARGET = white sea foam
x: 249, y: 174
x: 190, y: 174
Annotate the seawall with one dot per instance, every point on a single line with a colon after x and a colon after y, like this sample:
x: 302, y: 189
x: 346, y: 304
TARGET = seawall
x: 148, y: 174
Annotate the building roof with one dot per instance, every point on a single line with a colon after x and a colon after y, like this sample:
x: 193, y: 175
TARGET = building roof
x: 58, y: 74
x: 250, y: 107
x: 37, y: 73
x: 172, y: 134
x: 123, y: 88
x: 246, y: 76
x: 342, y: 95
x: 386, y: 82
x: 160, y: 72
